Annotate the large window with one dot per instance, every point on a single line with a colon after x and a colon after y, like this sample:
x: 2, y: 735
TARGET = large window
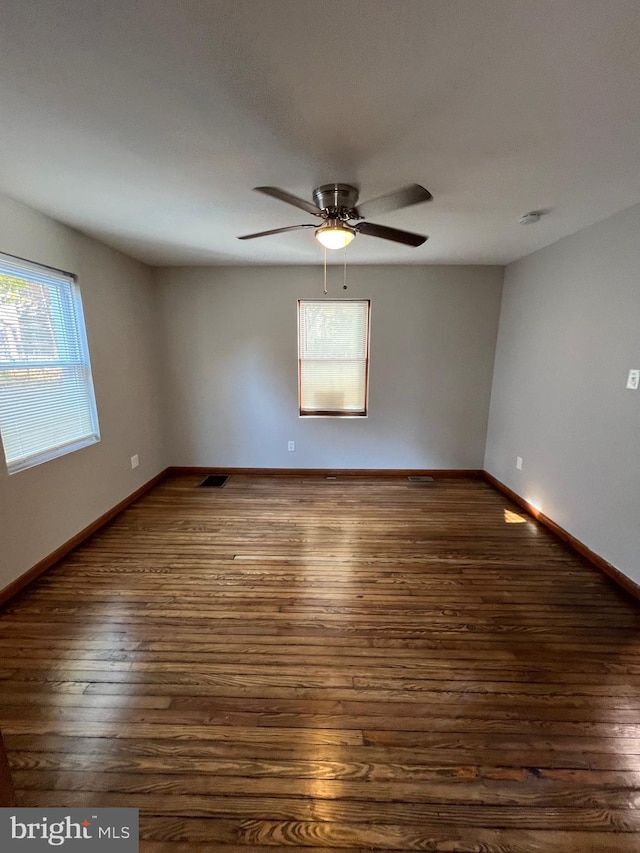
x: 333, y: 356
x: 47, y: 406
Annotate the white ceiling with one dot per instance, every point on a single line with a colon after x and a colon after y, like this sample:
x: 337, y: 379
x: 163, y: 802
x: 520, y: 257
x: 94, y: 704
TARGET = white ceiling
x: 147, y: 122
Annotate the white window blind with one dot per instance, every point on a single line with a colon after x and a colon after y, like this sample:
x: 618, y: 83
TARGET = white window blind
x: 333, y: 356
x: 47, y: 405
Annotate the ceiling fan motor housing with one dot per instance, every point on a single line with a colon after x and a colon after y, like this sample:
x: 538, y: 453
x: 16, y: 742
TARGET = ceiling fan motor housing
x: 340, y: 199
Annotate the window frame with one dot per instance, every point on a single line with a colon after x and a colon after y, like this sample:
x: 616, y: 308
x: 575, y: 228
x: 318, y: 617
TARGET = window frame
x: 18, y: 267
x: 336, y: 413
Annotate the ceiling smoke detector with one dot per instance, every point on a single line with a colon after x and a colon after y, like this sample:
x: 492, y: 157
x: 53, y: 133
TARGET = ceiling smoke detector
x: 530, y: 218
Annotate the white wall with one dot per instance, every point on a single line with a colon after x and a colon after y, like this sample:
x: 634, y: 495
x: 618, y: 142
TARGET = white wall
x: 43, y: 507
x: 569, y: 332
x: 231, y: 363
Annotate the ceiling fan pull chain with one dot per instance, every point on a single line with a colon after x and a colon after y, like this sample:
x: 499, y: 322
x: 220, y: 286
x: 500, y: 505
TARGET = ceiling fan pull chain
x: 325, y: 270
x: 344, y: 278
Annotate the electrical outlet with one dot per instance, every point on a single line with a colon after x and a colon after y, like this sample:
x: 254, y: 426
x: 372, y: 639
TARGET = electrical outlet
x: 291, y: 446
x: 633, y: 380
x: 519, y: 463
x: 135, y: 461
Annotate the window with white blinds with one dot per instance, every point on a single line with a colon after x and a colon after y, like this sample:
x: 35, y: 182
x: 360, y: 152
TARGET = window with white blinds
x: 333, y: 356
x: 47, y: 405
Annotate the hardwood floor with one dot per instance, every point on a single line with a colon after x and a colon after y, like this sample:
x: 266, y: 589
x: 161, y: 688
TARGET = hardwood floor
x: 306, y: 663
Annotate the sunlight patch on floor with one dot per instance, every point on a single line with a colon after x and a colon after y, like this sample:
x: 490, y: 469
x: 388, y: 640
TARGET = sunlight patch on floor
x: 511, y: 517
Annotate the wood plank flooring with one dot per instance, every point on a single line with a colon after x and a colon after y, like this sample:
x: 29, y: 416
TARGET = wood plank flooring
x: 296, y: 663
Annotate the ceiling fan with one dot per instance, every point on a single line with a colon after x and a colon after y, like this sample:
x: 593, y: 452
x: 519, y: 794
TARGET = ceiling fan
x: 337, y: 205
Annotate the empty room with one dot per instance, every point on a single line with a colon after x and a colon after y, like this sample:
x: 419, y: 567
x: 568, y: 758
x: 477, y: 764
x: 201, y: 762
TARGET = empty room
x: 320, y: 425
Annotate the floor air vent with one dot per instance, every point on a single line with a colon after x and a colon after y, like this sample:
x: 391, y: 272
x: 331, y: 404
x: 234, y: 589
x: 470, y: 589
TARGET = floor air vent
x: 214, y: 481
x: 418, y: 479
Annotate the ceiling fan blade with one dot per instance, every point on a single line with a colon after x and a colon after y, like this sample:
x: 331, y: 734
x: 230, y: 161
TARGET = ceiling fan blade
x: 394, y: 234
x: 277, y: 231
x: 283, y: 195
x: 413, y: 194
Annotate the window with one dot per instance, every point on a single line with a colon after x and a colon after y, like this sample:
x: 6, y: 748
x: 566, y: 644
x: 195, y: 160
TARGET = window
x: 333, y: 356
x: 47, y: 407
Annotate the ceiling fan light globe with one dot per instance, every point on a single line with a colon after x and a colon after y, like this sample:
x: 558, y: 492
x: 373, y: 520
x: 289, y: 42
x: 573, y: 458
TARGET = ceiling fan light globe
x: 335, y: 235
